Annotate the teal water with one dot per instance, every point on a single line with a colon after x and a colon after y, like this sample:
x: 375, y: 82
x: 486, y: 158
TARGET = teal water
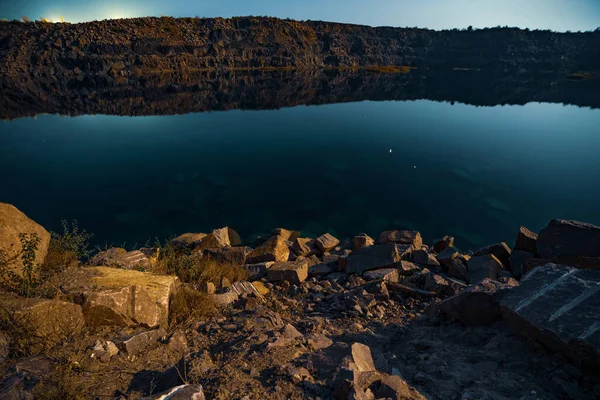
x: 476, y: 173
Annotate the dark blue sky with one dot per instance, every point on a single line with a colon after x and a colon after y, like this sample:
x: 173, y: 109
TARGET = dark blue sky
x: 559, y: 15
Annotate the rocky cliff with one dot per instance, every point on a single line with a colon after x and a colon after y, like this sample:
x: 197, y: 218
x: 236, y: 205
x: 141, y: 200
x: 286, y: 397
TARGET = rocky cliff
x: 133, y: 46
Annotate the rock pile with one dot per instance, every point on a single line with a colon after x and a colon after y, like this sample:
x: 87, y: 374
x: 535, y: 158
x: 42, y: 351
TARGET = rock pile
x: 316, y: 319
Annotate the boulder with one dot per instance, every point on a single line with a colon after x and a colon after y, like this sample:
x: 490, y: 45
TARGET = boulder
x: 231, y: 255
x: 406, y: 268
x: 393, y: 387
x: 274, y: 249
x: 481, y: 267
x: 292, y: 271
x: 443, y: 244
x: 373, y: 257
x: 575, y: 262
x: 187, y: 240
x: 286, y: 234
x: 125, y: 297
x: 559, y: 306
x: 257, y: 271
x: 526, y: 241
x: 385, y: 274
x: 322, y: 269
x: 318, y: 341
x: 447, y: 257
x: 183, y: 392
x: 40, y: 321
x: 326, y: 242
x: 13, y: 223
x: 221, y: 237
x: 260, y: 288
x: 477, y: 305
x: 500, y: 250
x: 518, y: 260
x: 104, y: 350
x: 135, y: 344
x: 438, y: 284
x: 563, y: 238
x: 424, y: 258
x: 412, y: 238
x: 304, y: 247
x: 244, y: 289
x: 458, y: 270
x: 362, y: 241
x: 121, y: 258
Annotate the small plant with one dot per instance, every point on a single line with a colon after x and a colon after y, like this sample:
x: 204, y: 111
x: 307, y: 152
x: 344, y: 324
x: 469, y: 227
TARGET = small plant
x: 25, y: 18
x: 62, y: 20
x: 24, y: 282
x: 44, y: 20
x: 67, y: 249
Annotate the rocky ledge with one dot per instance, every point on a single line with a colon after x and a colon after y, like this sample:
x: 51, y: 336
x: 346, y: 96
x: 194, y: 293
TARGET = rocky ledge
x: 309, y: 318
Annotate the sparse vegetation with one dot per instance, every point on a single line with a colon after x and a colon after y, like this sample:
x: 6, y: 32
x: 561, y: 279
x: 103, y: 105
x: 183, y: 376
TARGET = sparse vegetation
x: 45, y: 20
x: 196, y: 269
x: 21, y: 283
x: 189, y: 304
x: 25, y: 18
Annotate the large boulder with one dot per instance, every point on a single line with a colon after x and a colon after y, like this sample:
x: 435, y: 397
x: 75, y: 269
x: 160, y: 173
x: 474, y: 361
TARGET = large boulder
x: 560, y: 307
x: 563, y: 238
x: 373, y: 257
x: 476, y: 305
x: 275, y: 249
x: 403, y: 237
x: 13, y: 223
x: 291, y: 271
x: 42, y: 322
x: 187, y: 240
x: 120, y: 297
x: 230, y: 255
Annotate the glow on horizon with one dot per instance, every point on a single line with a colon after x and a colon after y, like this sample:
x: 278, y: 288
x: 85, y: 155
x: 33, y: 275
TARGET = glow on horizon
x: 557, y: 15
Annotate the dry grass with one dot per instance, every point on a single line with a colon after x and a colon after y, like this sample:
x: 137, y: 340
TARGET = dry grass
x: 195, y: 268
x: 189, y: 304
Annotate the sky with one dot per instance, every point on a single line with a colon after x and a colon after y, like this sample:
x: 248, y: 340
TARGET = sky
x: 557, y: 15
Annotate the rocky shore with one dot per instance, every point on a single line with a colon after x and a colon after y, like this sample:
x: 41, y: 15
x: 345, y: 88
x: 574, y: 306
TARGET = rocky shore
x: 289, y: 317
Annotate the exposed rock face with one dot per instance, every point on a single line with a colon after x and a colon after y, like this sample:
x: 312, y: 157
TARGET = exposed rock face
x: 518, y: 260
x: 563, y: 238
x: 121, y: 258
x: 13, y: 223
x: 558, y: 306
x: 291, y: 271
x: 257, y: 271
x: 304, y: 247
x: 374, y: 257
x: 403, y: 237
x: 275, y: 249
x: 424, y: 258
x: 127, y: 298
x: 385, y: 274
x: 43, y: 322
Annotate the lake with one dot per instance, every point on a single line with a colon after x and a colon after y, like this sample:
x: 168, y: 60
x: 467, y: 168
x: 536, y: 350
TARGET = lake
x: 477, y: 173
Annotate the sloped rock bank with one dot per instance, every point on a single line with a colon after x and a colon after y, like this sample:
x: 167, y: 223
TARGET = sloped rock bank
x: 323, y: 318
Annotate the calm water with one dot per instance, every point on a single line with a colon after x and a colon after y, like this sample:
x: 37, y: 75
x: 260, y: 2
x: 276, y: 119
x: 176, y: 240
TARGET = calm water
x: 477, y: 173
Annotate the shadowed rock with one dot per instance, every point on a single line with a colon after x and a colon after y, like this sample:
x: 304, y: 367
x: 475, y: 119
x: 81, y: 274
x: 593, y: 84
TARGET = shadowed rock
x: 563, y: 238
x: 560, y: 307
x: 374, y: 257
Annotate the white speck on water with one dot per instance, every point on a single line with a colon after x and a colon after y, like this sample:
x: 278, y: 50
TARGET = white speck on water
x: 415, y: 167
x: 390, y: 150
